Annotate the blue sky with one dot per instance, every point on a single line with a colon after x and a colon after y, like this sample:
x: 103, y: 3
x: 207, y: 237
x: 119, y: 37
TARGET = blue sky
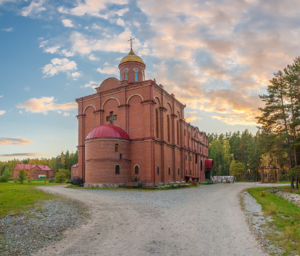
x: 215, y: 56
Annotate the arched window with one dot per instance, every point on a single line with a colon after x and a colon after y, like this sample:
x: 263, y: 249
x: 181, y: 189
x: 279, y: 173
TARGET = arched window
x: 157, y: 128
x: 117, y: 148
x: 196, y: 162
x: 186, y: 157
x: 178, y: 171
x: 190, y: 158
x: 157, y: 168
x: 190, y: 171
x: 169, y: 170
x: 117, y: 169
x: 168, y: 127
x: 186, y: 171
x: 126, y: 73
x: 136, y: 169
x: 136, y: 74
x: 184, y: 132
x: 177, y: 132
x: 201, y: 165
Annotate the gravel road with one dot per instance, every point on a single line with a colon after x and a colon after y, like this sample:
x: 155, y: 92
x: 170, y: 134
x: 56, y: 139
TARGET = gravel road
x: 206, y: 220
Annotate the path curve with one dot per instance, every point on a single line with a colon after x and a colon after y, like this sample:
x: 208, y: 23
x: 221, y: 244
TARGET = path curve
x: 207, y: 220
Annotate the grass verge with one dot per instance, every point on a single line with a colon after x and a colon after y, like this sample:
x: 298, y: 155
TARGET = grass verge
x: 16, y: 197
x: 285, y: 224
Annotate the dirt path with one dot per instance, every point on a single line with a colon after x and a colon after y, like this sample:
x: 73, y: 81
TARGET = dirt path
x: 196, y: 221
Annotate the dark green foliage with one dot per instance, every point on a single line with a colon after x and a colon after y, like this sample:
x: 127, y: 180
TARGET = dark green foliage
x: 77, y: 181
x: 6, y: 175
x: 22, y: 176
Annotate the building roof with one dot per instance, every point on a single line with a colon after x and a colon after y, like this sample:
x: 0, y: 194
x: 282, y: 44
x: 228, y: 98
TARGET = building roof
x: 107, y: 131
x: 209, y: 164
x: 30, y: 166
x: 131, y: 57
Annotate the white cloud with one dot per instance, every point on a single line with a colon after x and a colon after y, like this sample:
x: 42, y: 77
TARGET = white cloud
x: 67, y: 23
x: 67, y: 53
x: 14, y: 141
x: 108, y: 70
x: 122, y: 11
x: 91, y: 84
x: 191, y: 118
x: 2, y: 112
x: 75, y: 75
x: 66, y: 114
x: 59, y: 112
x: 52, y: 50
x: 1, y: 96
x: 34, y: 8
x: 59, y: 65
x: 90, y: 7
x: 44, y: 104
x: 7, y: 29
x: 27, y: 89
x: 93, y: 57
x: 120, y: 22
x: 23, y: 154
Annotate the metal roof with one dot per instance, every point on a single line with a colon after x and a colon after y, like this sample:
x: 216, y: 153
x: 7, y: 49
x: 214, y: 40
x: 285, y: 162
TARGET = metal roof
x: 30, y: 166
x: 108, y: 131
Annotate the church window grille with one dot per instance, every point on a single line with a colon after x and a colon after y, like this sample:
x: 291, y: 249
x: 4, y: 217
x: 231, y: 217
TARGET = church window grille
x: 178, y: 171
x: 168, y: 127
x: 117, y: 169
x: 169, y: 170
x: 177, y: 132
x: 117, y: 148
x: 157, y: 168
x: 157, y: 128
x: 136, y: 169
x: 126, y: 73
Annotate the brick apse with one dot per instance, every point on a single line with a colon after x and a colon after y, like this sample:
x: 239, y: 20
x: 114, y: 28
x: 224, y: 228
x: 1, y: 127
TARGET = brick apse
x: 133, y: 128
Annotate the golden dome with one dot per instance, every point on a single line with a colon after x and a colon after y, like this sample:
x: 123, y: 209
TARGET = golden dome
x: 132, y: 57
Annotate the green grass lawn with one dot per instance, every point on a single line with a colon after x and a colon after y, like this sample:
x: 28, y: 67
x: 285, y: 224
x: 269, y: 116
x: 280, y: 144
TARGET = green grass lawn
x: 16, y: 197
x: 286, y: 220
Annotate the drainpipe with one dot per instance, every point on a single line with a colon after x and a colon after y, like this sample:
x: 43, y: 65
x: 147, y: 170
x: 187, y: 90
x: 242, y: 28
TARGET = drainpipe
x: 153, y: 137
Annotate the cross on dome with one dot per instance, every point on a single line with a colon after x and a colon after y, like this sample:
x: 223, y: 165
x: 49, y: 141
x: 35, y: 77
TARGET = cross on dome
x: 131, y: 39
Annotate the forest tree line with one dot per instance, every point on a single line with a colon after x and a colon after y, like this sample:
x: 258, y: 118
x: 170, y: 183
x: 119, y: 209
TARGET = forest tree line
x: 61, y: 161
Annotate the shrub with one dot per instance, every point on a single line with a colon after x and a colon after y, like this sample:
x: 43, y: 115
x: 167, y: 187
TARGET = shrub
x: 77, y: 181
x: 208, y: 181
x: 60, y: 176
x: 6, y: 175
x: 22, y: 176
x: 51, y: 180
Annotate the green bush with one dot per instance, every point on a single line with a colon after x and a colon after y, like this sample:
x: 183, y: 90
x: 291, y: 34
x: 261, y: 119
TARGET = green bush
x: 52, y: 180
x: 6, y: 175
x: 22, y: 176
x: 61, y: 176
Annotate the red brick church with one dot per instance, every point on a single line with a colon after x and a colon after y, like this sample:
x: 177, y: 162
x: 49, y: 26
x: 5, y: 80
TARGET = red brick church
x: 134, y: 129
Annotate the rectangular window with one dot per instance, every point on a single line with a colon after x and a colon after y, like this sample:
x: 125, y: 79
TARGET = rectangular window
x: 157, y: 169
x: 126, y: 76
x: 117, y: 169
x: 136, y: 76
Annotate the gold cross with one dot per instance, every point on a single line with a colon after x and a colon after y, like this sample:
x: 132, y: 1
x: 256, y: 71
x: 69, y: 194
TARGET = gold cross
x: 131, y: 41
